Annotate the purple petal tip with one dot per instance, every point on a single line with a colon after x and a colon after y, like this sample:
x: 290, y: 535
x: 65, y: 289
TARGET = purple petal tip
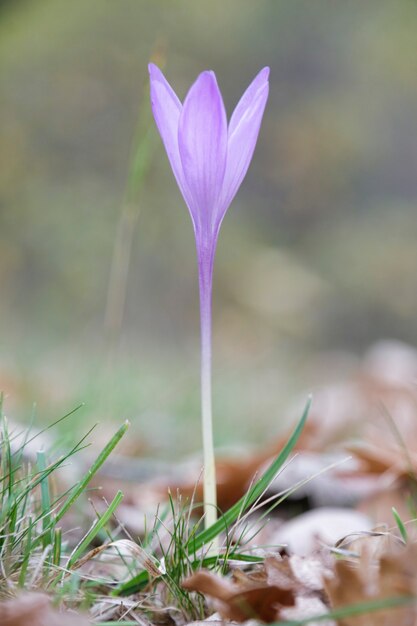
x: 153, y: 69
x: 208, y: 76
x: 265, y: 72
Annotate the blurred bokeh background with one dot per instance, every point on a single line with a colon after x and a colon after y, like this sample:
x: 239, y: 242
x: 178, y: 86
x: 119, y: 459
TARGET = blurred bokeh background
x: 317, y: 257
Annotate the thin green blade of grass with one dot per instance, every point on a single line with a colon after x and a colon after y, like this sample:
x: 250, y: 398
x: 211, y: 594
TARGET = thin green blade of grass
x: 197, y: 541
x: 6, y: 454
x: 19, y: 454
x: 52, y: 425
x: 57, y: 548
x: 400, y: 524
x: 38, y: 477
x: 82, y: 485
x: 133, y: 585
x: 212, y: 560
x: 142, y: 150
x: 362, y: 608
x: 142, y: 154
x: 279, y: 498
x: 254, y: 492
x: 29, y: 484
x: 26, y: 555
x: 45, y: 500
x: 94, y: 530
x: 159, y: 520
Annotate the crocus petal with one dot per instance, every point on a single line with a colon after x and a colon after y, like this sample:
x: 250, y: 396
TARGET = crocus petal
x: 243, y: 134
x: 202, y: 141
x: 166, y: 109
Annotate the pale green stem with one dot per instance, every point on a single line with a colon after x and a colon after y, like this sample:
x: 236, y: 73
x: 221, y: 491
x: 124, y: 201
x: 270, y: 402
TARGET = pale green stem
x: 205, y: 263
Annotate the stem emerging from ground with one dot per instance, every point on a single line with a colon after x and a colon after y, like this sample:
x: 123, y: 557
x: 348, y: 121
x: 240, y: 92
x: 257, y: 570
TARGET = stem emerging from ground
x: 205, y: 271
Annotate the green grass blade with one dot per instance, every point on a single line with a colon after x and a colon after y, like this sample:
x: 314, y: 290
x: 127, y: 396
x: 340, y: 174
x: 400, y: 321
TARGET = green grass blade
x: 26, y: 555
x: 400, y: 524
x: 254, y: 492
x: 6, y: 454
x: 212, y: 560
x: 45, y: 500
x: 58, y: 421
x: 39, y: 476
x: 82, y: 485
x: 223, y: 523
x: 95, y: 529
x: 132, y: 586
x: 28, y: 487
x: 57, y: 549
x: 159, y: 520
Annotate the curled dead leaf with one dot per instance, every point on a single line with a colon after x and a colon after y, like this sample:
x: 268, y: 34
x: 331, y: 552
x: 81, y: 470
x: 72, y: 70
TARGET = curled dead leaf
x: 306, y: 532
x: 235, y: 475
x: 392, y: 575
x: 34, y: 609
x: 248, y: 599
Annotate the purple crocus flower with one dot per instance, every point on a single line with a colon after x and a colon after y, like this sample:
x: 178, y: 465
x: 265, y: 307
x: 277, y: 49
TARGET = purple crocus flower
x: 209, y: 159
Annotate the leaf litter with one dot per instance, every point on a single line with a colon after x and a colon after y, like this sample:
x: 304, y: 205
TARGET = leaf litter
x: 35, y: 609
x: 304, y: 568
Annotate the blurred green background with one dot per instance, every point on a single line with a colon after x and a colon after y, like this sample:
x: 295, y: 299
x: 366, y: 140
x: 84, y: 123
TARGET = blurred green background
x: 317, y: 255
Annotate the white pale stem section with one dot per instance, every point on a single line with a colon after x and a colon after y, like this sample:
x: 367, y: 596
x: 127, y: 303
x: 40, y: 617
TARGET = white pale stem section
x: 205, y: 261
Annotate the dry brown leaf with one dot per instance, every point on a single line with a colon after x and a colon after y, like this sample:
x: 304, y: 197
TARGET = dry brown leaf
x: 307, y: 607
x: 376, y: 405
x: 249, y: 599
x: 279, y: 572
x: 305, y: 533
x: 305, y: 576
x: 366, y: 579
x: 358, y: 408
x: 301, y: 575
x: 34, y: 609
x: 384, y: 455
x: 370, y: 546
x: 234, y: 476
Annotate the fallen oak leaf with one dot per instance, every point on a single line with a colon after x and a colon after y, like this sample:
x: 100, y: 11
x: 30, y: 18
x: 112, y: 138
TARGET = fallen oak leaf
x: 346, y: 589
x: 369, y: 545
x: 384, y: 456
x: 235, y: 475
x: 279, y: 572
x: 393, y: 575
x: 240, y: 602
x: 35, y: 609
x: 307, y: 608
x: 303, y: 534
x: 304, y: 574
